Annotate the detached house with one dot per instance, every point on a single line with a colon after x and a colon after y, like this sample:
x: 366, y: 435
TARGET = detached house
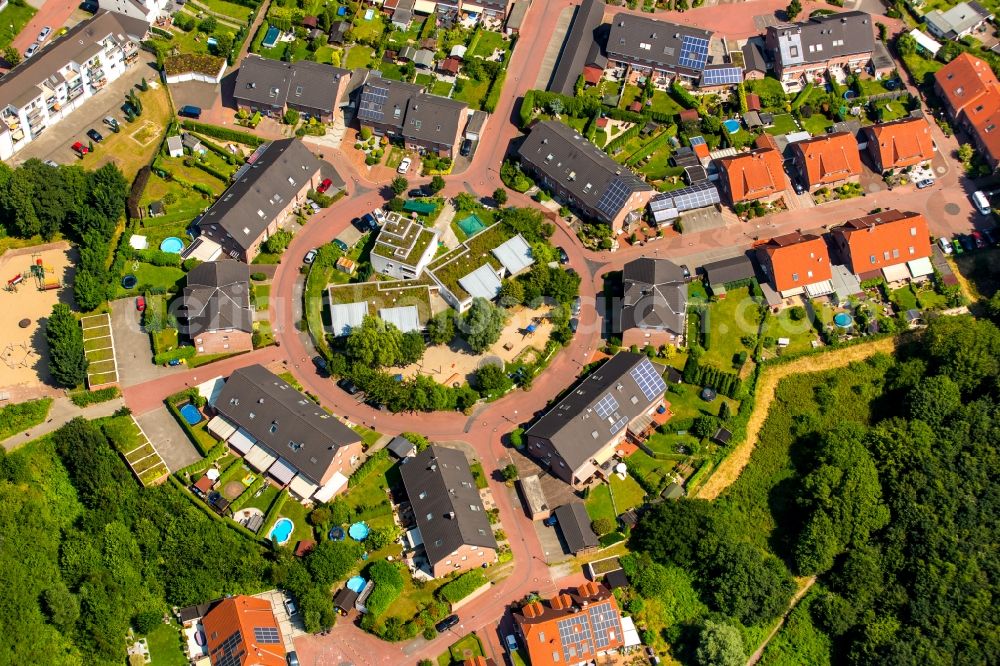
x: 971, y: 94
x: 754, y: 176
x: 242, y: 631
x: 583, y: 176
x: 797, y: 263
x: 828, y: 161
x: 215, y: 307
x: 803, y: 52
x: 653, y: 309
x: 892, y: 244
x: 900, y: 144
x: 451, y: 521
x: 577, y: 438
x: 265, y: 191
x: 271, y: 87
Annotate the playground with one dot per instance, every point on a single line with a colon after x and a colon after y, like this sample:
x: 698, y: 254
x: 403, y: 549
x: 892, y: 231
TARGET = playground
x: 33, y: 279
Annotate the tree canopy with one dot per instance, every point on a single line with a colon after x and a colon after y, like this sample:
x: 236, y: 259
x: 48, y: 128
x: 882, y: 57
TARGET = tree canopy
x: 482, y: 324
x: 67, y: 363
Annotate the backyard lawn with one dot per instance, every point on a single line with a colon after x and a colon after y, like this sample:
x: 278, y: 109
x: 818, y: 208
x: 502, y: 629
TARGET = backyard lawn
x: 368, y: 500
x: 800, y: 333
x: 358, y: 57
x: 442, y: 88
x: 686, y: 405
x: 627, y: 495
x: 891, y: 110
x: 12, y: 21
x: 488, y: 42
x: 783, y: 124
x: 730, y: 319
x: 365, y: 31
x: 921, y: 68
x: 368, y: 436
x: 237, y: 12
x: 466, y: 647
x: 169, y: 278
x: 664, y: 103
x: 767, y: 87
x: 165, y: 646
x: 816, y: 124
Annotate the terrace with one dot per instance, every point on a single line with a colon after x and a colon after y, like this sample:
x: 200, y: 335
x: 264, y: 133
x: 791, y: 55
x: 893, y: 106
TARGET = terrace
x: 467, y: 257
x: 403, y: 240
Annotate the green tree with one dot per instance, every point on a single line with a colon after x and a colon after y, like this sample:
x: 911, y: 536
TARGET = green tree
x: 436, y: 185
x: 291, y: 117
x: 509, y: 472
x: 208, y: 25
x: 966, y: 153
x: 223, y: 43
x: 340, y: 511
x: 411, y: 348
x: 465, y: 202
x: 482, y: 324
x: 602, y: 526
x: 747, y: 584
x: 906, y: 45
x: 511, y: 293
x: 12, y: 56
x: 277, y: 242
x: 331, y: 561
x: 441, y: 328
x: 793, y: 9
x: 316, y: 609
x: 720, y: 644
x: 399, y: 185
x: 375, y: 343
x: 934, y: 400
x: 965, y: 349
x: 61, y: 607
x: 492, y: 379
x: 67, y: 362
x: 500, y: 196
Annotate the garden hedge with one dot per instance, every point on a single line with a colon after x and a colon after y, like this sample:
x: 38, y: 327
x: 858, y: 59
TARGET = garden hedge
x: 462, y: 586
x: 388, y: 586
x: 366, y: 468
x: 86, y: 398
x: 223, y: 133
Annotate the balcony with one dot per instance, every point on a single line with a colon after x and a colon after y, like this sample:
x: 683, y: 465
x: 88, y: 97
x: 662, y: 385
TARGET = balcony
x: 74, y: 93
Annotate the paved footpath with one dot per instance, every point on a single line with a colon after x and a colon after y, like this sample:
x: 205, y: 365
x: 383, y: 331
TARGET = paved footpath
x: 62, y: 412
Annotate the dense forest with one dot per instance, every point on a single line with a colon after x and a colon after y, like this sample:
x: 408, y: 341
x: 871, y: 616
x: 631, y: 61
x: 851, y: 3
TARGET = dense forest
x: 881, y: 479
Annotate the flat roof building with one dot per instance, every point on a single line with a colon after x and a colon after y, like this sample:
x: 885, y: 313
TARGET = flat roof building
x: 403, y: 248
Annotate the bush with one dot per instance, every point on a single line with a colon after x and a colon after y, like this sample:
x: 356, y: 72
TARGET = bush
x: 603, y: 526
x: 20, y: 416
x: 366, y: 468
x: 258, y: 277
x: 223, y: 133
x: 86, y: 398
x: 388, y: 585
x: 462, y: 586
x: 517, y: 437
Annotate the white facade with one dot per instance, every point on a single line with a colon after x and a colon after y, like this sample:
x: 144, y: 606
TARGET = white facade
x: 63, y: 86
x: 145, y: 10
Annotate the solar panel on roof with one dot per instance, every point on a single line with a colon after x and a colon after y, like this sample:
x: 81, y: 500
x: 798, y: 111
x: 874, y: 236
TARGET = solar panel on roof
x: 699, y: 195
x: 606, y: 406
x: 605, y: 621
x: 695, y: 140
x: 721, y: 76
x: 372, y: 100
x: 614, y: 197
x: 619, y: 425
x: 648, y: 379
x: 267, y: 635
x: 694, y: 52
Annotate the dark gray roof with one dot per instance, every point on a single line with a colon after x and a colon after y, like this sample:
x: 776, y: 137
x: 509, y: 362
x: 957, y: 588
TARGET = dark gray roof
x: 642, y: 39
x: 654, y: 297
x: 579, y: 167
x: 733, y: 269
x: 574, y: 523
x: 309, y: 84
x: 517, y: 13
x: 434, y: 118
x: 577, y: 46
x: 283, y: 420
x: 217, y: 296
x: 345, y: 599
x: 384, y: 101
x: 424, y: 58
x: 446, y: 504
x: 400, y: 446
x: 823, y: 38
x: 591, y: 414
x: 338, y: 32
x: 189, y: 613
x: 263, y: 190
x: 615, y: 579
x: 753, y: 58
x: 20, y: 85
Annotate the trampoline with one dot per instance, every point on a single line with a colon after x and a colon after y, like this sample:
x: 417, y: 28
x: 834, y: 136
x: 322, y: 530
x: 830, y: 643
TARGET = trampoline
x: 732, y: 125
x: 356, y: 584
x: 336, y: 534
x: 129, y: 281
x: 850, y: 94
x: 471, y: 225
x: 173, y: 245
x: 708, y: 394
x: 358, y: 531
x: 191, y: 414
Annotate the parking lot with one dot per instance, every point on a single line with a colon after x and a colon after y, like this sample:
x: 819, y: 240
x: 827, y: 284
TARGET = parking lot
x: 54, y: 144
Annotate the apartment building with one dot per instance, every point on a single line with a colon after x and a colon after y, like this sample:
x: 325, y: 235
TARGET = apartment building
x: 60, y: 78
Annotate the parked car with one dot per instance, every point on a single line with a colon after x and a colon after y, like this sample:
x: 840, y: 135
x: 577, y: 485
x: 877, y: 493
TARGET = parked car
x: 320, y: 363
x: 51, y: 164
x: 466, y: 148
x: 310, y: 257
x: 957, y: 245
x: 32, y: 50
x: 563, y: 257
x: 324, y: 186
x: 111, y: 122
x: 577, y: 303
x: 89, y: 6
x: 94, y: 135
x: 80, y: 149
x: 404, y: 166
x: 799, y: 189
x: 379, y: 215
x: 341, y: 245
x: 446, y: 624
x: 128, y: 108
x: 43, y: 35
x: 686, y: 271
x: 189, y: 111
x: 967, y: 242
x: 574, y: 324
x: 550, y: 521
x: 290, y: 607
x: 945, y: 245
x: 368, y: 223
x: 978, y: 239
x: 140, y: 303
x: 511, y: 642
x: 174, y: 362
x: 925, y: 183
x: 348, y: 386
x: 292, y: 658
x: 416, y: 192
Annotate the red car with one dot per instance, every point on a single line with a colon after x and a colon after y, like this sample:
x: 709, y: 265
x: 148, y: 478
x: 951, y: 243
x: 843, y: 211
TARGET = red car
x: 80, y: 149
x: 324, y: 186
x: 978, y: 237
x: 140, y: 303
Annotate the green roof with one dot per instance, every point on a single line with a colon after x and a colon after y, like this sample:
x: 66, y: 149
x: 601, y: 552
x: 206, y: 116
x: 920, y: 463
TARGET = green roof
x: 421, y: 207
x: 467, y: 257
x: 384, y: 294
x: 402, y: 240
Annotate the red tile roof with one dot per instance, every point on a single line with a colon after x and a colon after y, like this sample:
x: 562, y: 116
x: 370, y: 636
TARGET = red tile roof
x: 872, y: 242
x: 753, y: 175
x: 901, y: 143
x: 539, y: 626
x: 828, y: 159
x: 765, y: 140
x: 797, y: 260
x: 204, y: 484
x: 689, y: 114
x: 971, y: 90
x: 243, y: 615
x: 450, y: 65
x: 701, y: 150
x: 592, y: 75
x: 602, y: 123
x: 302, y: 548
x: 753, y: 102
x: 635, y: 107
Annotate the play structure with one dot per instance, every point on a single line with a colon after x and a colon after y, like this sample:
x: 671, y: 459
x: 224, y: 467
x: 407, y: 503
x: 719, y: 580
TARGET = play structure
x: 19, y: 355
x: 13, y: 282
x: 45, y: 276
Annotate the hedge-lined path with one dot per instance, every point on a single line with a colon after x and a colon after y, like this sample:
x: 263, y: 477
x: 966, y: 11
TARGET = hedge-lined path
x: 62, y: 412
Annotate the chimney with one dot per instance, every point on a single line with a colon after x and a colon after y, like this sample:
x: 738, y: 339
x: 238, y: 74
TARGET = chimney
x: 556, y: 602
x: 529, y: 610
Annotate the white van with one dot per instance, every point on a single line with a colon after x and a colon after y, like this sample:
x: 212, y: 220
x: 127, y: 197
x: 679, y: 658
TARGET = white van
x: 981, y: 202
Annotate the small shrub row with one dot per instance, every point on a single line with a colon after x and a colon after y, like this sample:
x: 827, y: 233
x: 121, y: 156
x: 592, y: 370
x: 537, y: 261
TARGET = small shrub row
x: 462, y: 586
x: 86, y: 398
x: 366, y: 468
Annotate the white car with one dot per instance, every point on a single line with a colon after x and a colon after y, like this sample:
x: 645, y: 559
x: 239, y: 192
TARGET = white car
x: 404, y: 166
x: 46, y: 31
x: 31, y: 50
x: 945, y: 245
x: 511, y: 643
x: 310, y: 257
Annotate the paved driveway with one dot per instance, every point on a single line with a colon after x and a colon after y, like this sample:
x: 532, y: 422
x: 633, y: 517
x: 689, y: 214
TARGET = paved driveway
x: 168, y: 438
x: 135, y: 355
x: 55, y: 143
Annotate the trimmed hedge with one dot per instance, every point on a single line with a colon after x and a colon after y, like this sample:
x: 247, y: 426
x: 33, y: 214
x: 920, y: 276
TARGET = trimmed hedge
x: 366, y: 468
x: 388, y: 586
x: 86, y: 398
x: 223, y: 133
x: 179, y: 354
x: 802, y: 97
x: 212, y: 171
x: 271, y: 517
x: 682, y: 95
x: 462, y: 586
x: 200, y: 466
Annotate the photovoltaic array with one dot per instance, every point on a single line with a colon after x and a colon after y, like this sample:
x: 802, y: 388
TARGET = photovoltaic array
x: 648, y: 379
x: 694, y: 52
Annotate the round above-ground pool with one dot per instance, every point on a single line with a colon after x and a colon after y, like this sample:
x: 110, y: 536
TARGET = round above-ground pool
x: 850, y: 94
x: 356, y: 584
x: 336, y: 534
x: 732, y: 125
x: 282, y: 531
x: 358, y: 531
x: 191, y: 414
x: 843, y: 319
x: 173, y: 245
x: 129, y: 281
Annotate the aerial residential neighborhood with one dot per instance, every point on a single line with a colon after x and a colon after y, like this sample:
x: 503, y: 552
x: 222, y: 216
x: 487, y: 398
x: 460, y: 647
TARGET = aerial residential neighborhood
x: 525, y: 332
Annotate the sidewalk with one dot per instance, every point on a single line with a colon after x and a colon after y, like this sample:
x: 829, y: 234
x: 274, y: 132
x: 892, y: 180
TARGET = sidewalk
x: 62, y: 412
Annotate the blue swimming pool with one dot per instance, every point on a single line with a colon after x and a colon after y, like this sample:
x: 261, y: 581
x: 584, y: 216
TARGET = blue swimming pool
x: 281, y: 531
x: 173, y: 245
x: 732, y: 125
x: 191, y: 414
x: 271, y: 37
x: 358, y: 531
x: 843, y: 320
x: 356, y: 584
